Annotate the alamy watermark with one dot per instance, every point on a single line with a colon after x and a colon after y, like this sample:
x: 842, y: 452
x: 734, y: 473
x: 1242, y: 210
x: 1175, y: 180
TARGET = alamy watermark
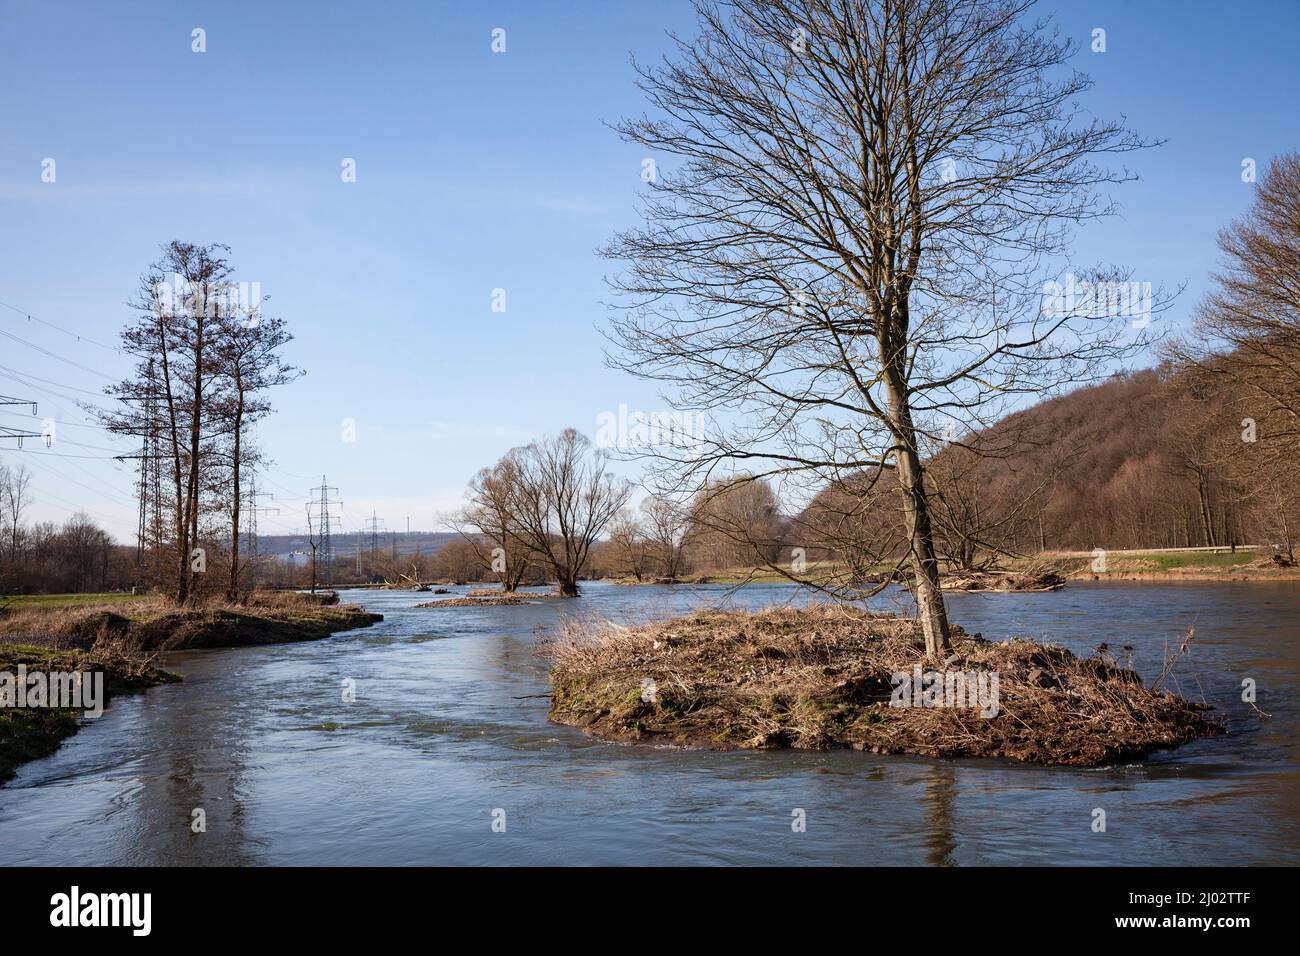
x: 182, y: 297
x: 626, y: 429
x: 976, y: 690
x: 1098, y: 300
x: 71, y: 690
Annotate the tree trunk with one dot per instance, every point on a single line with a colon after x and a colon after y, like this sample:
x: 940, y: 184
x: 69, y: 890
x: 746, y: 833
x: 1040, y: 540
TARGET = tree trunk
x: 930, y: 608
x: 1206, y: 517
x: 232, y: 587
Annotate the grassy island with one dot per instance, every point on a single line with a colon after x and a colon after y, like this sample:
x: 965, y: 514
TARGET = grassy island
x: 828, y: 677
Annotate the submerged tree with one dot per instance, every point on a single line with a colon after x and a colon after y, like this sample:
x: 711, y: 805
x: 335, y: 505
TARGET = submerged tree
x: 562, y: 499
x: 846, y: 262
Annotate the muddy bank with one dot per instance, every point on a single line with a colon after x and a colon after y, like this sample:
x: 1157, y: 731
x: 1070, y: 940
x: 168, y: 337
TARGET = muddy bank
x: 821, y: 678
x: 27, y: 733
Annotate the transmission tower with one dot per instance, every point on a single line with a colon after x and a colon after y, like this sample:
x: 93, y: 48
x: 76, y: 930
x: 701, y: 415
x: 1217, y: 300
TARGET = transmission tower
x: 373, y: 524
x: 326, y: 520
x: 253, y: 509
x: 18, y: 433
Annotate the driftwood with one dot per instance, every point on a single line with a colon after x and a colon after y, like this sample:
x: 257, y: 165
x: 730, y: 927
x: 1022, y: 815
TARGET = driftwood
x: 1034, y: 579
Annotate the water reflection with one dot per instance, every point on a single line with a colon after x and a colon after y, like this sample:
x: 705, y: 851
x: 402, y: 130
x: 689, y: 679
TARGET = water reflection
x: 940, y: 796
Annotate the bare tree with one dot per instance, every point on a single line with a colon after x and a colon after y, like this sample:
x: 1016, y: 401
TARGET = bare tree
x: 14, y: 501
x: 490, y: 527
x: 668, y: 527
x: 851, y: 247
x: 562, y: 498
x: 315, y: 536
x: 182, y: 301
x: 247, y: 350
x: 1245, y: 349
x: 736, y: 523
x: 628, y: 540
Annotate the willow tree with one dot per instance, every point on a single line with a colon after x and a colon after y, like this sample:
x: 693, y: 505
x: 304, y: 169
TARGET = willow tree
x: 561, y: 498
x: 855, y: 209
x: 489, y: 526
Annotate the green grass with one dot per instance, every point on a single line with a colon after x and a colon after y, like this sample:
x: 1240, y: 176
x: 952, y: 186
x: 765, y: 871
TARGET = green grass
x: 67, y: 600
x: 1197, y: 559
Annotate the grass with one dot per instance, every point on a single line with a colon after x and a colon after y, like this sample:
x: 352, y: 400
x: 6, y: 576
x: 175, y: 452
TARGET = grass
x: 1198, y: 559
x: 1174, y: 564
x: 821, y: 677
x: 153, y: 623
x: 69, y: 600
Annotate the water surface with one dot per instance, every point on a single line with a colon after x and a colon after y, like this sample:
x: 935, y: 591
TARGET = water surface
x: 447, y: 727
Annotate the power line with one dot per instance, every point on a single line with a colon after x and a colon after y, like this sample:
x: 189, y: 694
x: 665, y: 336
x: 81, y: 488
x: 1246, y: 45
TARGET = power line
x: 76, y: 335
x: 28, y: 380
x: 96, y: 491
x: 54, y: 355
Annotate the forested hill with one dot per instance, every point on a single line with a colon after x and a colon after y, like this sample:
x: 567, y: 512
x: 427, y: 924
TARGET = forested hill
x: 1141, y: 460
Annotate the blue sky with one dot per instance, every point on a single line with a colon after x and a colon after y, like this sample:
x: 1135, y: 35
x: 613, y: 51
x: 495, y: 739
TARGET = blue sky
x: 475, y: 171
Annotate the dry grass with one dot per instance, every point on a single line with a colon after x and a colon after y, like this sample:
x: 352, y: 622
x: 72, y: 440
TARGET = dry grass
x: 498, y: 600
x: 820, y: 678
x: 156, y: 624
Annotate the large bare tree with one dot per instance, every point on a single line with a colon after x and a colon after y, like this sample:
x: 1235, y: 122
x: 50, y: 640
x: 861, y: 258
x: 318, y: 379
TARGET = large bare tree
x: 176, y: 389
x: 205, y: 358
x: 562, y: 498
x: 858, y: 207
x: 1246, y: 343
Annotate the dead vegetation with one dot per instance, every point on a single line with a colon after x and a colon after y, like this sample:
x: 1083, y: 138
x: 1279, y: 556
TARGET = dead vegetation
x: 499, y: 600
x: 1031, y: 579
x: 158, y: 624
x: 821, y: 677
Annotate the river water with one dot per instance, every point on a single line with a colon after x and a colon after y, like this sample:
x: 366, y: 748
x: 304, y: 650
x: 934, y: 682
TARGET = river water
x: 445, y: 730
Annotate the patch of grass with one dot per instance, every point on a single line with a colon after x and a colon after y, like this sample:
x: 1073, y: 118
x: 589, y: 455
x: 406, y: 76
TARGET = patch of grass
x: 1198, y: 559
x: 69, y: 600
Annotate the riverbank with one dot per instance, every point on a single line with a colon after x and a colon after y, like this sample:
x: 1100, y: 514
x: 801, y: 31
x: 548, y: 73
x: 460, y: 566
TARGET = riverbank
x: 27, y: 733
x: 121, y: 640
x: 1233, y: 569
x: 1048, y: 571
x: 822, y: 678
x: 148, y: 625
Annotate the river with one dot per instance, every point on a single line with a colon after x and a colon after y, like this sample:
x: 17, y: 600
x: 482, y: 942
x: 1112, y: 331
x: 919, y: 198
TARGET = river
x: 447, y: 727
